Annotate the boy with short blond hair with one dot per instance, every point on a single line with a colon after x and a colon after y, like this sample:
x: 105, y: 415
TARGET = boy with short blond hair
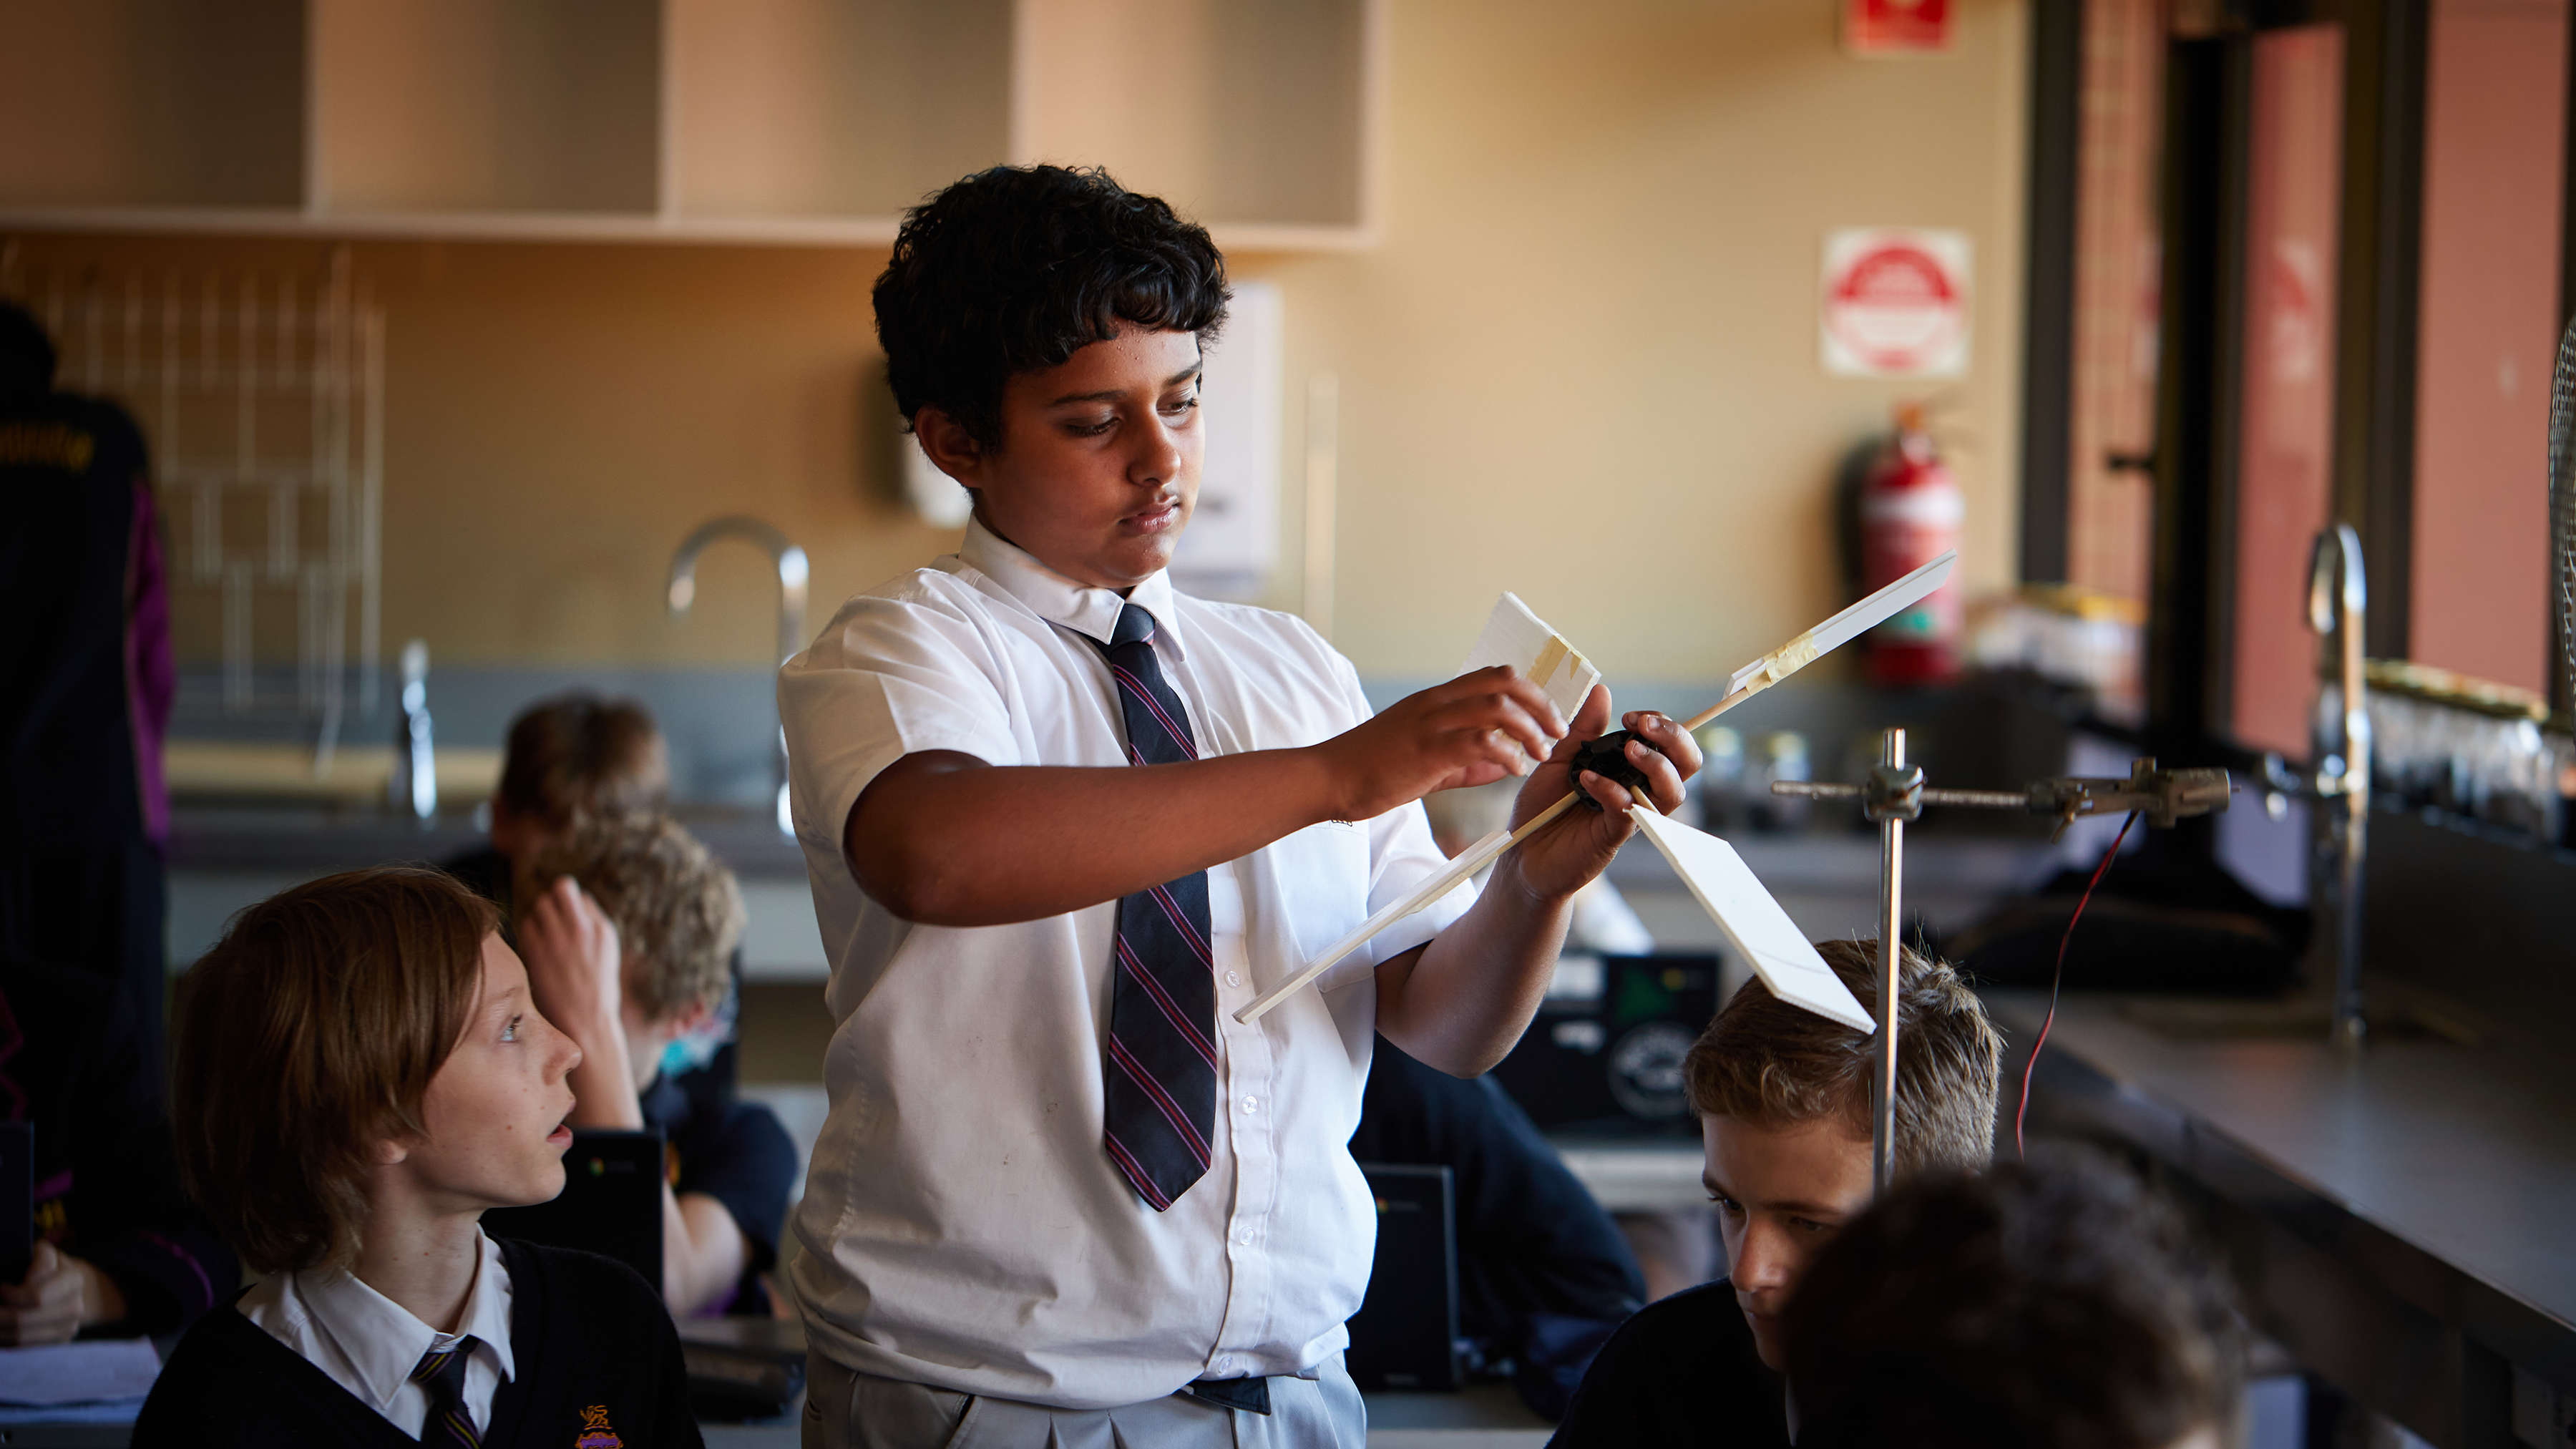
x: 1783, y: 1097
x: 360, y: 1073
x: 626, y: 944
x: 1769, y: 1063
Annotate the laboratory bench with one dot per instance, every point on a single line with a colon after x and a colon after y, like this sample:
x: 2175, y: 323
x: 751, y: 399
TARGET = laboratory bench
x: 2402, y: 1218
x: 222, y: 859
x: 1487, y: 1416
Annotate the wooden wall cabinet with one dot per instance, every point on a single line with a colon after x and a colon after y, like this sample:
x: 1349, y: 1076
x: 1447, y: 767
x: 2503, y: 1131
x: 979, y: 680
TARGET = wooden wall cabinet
x: 812, y: 121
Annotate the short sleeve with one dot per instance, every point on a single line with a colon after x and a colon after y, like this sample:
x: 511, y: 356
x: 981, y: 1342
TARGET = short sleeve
x: 743, y: 1159
x: 1402, y: 855
x: 889, y: 677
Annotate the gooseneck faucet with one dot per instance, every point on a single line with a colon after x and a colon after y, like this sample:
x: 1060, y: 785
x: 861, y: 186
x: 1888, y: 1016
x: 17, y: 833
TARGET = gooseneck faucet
x: 792, y: 574
x: 2338, y: 603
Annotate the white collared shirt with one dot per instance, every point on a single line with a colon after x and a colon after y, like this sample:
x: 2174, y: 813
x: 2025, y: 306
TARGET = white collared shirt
x: 962, y: 1226
x: 369, y: 1344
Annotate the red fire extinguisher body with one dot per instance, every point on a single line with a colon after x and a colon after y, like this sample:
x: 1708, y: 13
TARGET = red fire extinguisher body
x: 1910, y: 514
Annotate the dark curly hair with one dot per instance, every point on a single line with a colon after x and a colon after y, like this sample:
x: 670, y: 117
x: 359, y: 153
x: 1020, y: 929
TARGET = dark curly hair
x: 1015, y: 269
x: 2051, y: 1305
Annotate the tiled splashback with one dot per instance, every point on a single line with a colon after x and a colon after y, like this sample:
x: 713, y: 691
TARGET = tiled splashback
x: 721, y: 722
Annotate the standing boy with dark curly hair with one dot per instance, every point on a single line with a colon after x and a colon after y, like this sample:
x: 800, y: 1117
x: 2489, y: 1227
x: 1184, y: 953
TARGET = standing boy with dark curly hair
x: 1061, y: 822
x: 1783, y: 1097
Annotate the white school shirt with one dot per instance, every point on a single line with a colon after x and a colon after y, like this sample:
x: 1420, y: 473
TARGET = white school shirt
x: 369, y: 1344
x: 962, y: 1226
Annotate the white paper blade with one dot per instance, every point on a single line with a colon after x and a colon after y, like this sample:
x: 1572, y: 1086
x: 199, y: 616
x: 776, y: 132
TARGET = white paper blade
x: 1851, y: 623
x: 1473, y: 859
x: 1515, y: 636
x: 1760, y: 931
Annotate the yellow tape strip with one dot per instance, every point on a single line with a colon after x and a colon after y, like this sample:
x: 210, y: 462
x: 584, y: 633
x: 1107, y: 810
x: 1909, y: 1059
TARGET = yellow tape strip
x: 1788, y: 659
x: 1550, y: 655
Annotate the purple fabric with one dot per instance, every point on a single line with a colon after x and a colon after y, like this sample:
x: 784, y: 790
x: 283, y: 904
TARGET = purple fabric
x: 150, y: 681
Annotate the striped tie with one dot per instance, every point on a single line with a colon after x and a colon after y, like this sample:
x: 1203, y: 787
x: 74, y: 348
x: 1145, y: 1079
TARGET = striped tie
x: 441, y: 1375
x: 1160, y: 1077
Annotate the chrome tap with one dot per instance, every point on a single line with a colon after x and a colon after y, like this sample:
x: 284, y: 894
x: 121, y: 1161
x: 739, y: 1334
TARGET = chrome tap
x: 413, y: 789
x: 792, y: 574
x: 2338, y: 602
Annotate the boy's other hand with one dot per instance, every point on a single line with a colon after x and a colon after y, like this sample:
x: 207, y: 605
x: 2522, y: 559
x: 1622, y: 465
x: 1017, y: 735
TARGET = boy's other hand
x: 573, y: 959
x: 1473, y: 730
x: 61, y: 1294
x: 1565, y: 855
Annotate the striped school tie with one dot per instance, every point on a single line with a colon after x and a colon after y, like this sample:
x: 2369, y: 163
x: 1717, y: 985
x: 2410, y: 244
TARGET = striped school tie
x: 441, y: 1375
x: 1159, y: 1078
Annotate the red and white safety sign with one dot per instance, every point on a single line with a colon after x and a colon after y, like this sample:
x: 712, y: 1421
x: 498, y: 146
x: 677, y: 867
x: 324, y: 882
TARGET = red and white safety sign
x: 1886, y: 27
x: 1895, y: 302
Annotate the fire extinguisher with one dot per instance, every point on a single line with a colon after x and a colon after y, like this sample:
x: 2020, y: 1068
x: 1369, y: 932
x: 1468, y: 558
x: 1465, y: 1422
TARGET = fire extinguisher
x: 1910, y: 512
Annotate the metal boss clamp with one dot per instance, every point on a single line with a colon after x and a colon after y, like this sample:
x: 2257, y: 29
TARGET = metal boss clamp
x: 1895, y: 793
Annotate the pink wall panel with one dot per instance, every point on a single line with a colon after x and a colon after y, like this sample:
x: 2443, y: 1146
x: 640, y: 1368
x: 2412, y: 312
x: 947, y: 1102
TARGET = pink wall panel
x: 2286, y: 454
x: 2494, y: 138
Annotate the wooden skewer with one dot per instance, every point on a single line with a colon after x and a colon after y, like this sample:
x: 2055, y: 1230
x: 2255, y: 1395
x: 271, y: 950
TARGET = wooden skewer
x: 1754, y: 678
x: 1473, y: 859
x: 1689, y: 726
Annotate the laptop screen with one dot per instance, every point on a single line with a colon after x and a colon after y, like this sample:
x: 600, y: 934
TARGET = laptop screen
x: 611, y: 1203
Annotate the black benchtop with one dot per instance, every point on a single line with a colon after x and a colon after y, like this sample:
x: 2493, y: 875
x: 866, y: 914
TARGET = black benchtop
x: 2445, y: 1173
x: 313, y: 841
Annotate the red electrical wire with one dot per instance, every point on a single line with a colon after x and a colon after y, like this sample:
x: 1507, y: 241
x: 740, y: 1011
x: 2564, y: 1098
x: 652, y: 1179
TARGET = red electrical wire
x: 2059, y: 978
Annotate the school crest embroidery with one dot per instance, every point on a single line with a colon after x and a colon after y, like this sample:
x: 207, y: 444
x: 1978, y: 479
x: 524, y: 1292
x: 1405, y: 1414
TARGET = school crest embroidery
x: 595, y: 1431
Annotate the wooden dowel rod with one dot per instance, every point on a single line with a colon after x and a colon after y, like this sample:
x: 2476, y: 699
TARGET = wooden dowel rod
x: 1721, y: 707
x: 1528, y: 828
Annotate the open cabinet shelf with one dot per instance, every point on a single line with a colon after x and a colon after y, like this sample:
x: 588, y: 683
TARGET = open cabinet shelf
x: 110, y: 104
x: 782, y: 121
x: 484, y: 106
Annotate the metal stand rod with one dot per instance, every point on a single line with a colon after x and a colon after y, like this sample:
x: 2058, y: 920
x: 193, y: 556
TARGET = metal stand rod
x: 1972, y: 799
x: 1895, y: 793
x: 1891, y: 894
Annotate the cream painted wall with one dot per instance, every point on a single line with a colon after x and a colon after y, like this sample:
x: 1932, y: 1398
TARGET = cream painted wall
x: 1582, y: 363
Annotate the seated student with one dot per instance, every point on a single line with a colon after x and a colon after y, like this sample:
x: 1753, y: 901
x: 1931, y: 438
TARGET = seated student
x: 360, y: 1074
x: 626, y: 947
x: 117, y: 1250
x: 1674, y: 1248
x: 2058, y: 1304
x: 574, y: 759
x: 571, y: 760
x: 1543, y: 1276
x: 1783, y: 1097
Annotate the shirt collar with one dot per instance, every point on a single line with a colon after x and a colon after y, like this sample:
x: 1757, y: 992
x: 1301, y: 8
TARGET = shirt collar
x: 1090, y: 612
x: 383, y: 1342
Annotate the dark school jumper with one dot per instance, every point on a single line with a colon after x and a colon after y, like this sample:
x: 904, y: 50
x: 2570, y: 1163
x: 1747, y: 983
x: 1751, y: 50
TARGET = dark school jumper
x: 598, y: 1368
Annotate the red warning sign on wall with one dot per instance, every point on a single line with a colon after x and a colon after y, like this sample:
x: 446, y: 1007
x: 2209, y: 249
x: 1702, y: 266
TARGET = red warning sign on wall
x: 1895, y: 302
x: 1887, y: 27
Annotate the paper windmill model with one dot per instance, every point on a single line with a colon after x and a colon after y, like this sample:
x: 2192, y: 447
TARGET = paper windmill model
x: 1760, y: 931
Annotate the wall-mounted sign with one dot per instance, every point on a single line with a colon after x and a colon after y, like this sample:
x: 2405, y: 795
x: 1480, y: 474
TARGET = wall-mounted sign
x: 1233, y: 540
x: 1894, y: 27
x: 1895, y: 302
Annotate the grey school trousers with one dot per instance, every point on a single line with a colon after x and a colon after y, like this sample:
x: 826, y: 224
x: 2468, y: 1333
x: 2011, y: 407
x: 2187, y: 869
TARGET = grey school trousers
x: 845, y: 1409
